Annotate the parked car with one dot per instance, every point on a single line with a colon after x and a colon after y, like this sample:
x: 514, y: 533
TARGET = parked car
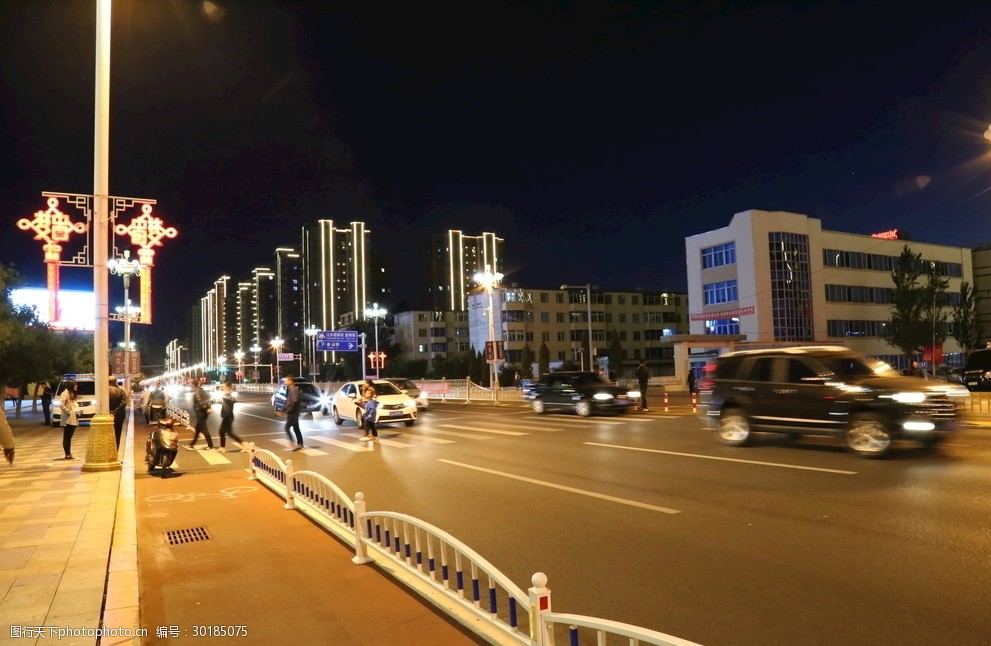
x: 582, y: 392
x: 410, y: 388
x: 312, y: 398
x: 394, y: 406
x: 86, y: 396
x: 977, y: 371
x: 828, y: 390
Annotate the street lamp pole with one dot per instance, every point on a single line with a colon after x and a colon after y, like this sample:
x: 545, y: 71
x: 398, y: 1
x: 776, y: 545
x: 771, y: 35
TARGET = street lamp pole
x: 376, y: 312
x: 126, y: 267
x: 588, y: 314
x: 256, y: 350
x: 312, y: 360
x: 277, y: 345
x: 489, y: 280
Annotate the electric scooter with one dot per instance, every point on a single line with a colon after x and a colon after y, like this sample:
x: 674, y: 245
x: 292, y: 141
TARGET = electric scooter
x: 162, y: 446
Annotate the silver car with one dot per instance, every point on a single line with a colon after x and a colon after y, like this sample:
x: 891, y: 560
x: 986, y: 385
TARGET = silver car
x: 410, y: 388
x: 394, y: 405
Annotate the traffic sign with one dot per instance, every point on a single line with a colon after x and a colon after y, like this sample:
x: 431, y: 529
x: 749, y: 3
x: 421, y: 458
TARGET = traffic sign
x: 337, y: 341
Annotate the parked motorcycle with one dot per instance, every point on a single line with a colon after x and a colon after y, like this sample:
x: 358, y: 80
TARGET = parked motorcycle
x: 162, y: 445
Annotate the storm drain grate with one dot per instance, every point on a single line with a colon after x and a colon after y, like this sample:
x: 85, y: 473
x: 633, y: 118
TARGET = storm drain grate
x: 180, y: 536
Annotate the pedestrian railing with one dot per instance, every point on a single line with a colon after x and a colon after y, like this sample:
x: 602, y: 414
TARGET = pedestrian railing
x: 438, y: 566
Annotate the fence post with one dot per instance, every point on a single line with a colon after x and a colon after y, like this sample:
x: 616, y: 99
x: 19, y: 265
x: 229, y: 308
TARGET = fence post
x: 667, y: 406
x: 290, y: 501
x: 540, y: 603
x: 468, y: 389
x: 360, y: 555
x: 251, y: 461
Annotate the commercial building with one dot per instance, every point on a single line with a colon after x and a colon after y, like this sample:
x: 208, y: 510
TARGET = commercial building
x: 454, y: 260
x: 779, y: 277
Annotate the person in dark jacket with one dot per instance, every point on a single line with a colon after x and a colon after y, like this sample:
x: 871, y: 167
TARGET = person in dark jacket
x: 118, y: 407
x: 643, y: 380
x: 227, y: 418
x: 46, y: 402
x: 292, y: 410
x: 201, y: 408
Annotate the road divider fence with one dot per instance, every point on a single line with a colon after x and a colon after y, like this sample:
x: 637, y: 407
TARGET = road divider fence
x: 438, y: 566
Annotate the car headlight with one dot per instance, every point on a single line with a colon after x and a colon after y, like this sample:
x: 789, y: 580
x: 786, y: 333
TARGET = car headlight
x: 633, y: 394
x: 909, y: 397
x: 409, y: 403
x: 602, y: 396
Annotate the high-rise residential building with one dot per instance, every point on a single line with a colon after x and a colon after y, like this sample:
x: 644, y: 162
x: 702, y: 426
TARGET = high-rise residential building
x: 216, y: 322
x: 264, y: 309
x: 336, y: 265
x: 454, y: 260
x: 289, y: 297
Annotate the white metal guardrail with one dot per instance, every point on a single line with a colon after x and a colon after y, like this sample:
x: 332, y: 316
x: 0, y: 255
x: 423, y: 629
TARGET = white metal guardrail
x: 438, y: 566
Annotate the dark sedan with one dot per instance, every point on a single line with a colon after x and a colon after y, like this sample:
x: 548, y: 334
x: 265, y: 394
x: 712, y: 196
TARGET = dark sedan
x: 582, y: 392
x: 311, y: 398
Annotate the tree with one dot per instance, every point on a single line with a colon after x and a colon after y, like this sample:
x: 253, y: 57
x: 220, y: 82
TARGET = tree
x: 934, y: 295
x: 543, y: 358
x: 966, y: 329
x: 526, y: 362
x: 908, y: 330
x: 615, y: 353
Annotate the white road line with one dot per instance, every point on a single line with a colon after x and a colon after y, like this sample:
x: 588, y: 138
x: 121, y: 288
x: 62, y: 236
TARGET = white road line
x: 339, y: 444
x: 482, y: 430
x: 713, y: 457
x: 529, y: 425
x: 424, y: 438
x: 551, y: 485
x: 212, y: 457
x: 456, y: 434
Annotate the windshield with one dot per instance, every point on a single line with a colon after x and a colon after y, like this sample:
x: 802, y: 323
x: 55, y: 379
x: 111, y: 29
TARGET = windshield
x: 83, y: 388
x: 386, y: 388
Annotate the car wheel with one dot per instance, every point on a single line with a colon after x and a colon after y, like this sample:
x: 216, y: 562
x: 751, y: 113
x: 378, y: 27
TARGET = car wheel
x: 734, y: 427
x: 337, y: 416
x: 409, y: 423
x: 583, y: 408
x: 538, y: 407
x: 867, y: 435
x: 357, y: 418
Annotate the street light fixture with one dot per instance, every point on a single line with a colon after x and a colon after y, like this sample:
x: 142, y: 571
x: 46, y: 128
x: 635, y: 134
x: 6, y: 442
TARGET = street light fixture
x: 125, y: 267
x: 312, y: 333
x: 489, y: 280
x: 375, y: 313
x: 256, y: 350
x: 588, y: 313
x: 277, y: 344
x: 239, y: 357
x: 221, y: 360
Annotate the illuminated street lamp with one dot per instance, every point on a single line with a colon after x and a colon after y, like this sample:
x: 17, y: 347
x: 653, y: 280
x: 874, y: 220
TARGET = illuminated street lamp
x: 239, y: 357
x: 375, y: 313
x: 312, y: 333
x: 588, y: 313
x: 221, y: 361
x: 125, y: 267
x: 489, y: 280
x: 277, y: 344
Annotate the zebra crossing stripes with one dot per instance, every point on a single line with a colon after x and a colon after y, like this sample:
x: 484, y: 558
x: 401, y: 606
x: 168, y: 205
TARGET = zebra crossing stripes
x: 357, y: 448
x: 481, y: 429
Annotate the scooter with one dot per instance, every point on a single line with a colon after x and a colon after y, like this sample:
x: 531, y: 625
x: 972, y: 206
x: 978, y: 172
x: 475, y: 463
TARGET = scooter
x: 162, y: 445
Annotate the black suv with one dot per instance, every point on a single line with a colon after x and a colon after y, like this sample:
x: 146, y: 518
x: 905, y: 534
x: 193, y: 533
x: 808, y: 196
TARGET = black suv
x: 310, y: 397
x: 977, y: 371
x: 828, y: 390
x: 583, y: 392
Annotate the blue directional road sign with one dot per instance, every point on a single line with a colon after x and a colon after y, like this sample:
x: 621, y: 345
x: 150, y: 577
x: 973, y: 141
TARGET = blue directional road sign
x: 337, y: 341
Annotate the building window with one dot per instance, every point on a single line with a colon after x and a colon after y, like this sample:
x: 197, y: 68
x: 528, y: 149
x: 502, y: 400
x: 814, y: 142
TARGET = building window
x: 545, y: 317
x: 559, y: 317
x: 723, y: 254
x: 723, y: 326
x: 791, y: 291
x: 543, y: 297
x: 438, y: 347
x: 721, y: 292
x: 438, y: 331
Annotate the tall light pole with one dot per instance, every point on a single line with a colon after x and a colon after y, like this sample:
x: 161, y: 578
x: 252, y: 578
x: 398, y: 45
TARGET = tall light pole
x: 256, y: 350
x: 588, y: 313
x: 277, y: 344
x: 311, y: 332
x: 489, y: 280
x: 239, y: 357
x: 375, y: 313
x: 125, y: 267
x: 221, y: 364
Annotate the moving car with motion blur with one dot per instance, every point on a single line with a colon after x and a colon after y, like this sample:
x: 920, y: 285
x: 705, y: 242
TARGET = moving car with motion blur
x: 584, y: 393
x: 311, y: 398
x: 976, y: 373
x: 394, y: 406
x: 832, y: 391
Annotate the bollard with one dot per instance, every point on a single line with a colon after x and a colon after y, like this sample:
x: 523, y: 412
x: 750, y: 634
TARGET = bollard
x: 251, y: 461
x: 695, y: 402
x: 360, y: 555
x: 540, y: 603
x: 290, y: 500
x: 667, y: 406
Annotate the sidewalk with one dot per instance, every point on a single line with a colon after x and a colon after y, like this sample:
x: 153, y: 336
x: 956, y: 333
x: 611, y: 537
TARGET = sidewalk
x: 78, y: 549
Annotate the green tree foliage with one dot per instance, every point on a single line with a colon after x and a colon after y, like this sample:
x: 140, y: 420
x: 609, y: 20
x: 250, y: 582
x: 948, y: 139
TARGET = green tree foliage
x: 526, y: 362
x: 907, y: 330
x: 616, y: 354
x: 934, y: 301
x: 966, y: 329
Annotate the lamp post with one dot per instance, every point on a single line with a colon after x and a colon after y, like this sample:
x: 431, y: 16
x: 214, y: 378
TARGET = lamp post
x: 277, y: 344
x: 489, y: 280
x: 239, y: 357
x: 221, y: 365
x: 256, y: 350
x: 375, y: 313
x: 588, y: 313
x: 312, y: 333
x: 125, y: 267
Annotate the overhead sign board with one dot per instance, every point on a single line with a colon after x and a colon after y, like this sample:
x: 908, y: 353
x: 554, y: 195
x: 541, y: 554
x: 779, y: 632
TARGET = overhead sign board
x: 337, y: 341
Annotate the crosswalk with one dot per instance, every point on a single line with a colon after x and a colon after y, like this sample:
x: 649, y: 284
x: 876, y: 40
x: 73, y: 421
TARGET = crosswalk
x: 321, y: 439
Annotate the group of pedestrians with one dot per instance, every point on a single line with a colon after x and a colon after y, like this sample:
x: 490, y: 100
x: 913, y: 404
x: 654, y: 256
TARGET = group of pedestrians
x: 202, y: 405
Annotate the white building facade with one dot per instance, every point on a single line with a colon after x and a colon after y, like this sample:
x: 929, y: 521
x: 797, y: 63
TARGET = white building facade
x: 779, y: 277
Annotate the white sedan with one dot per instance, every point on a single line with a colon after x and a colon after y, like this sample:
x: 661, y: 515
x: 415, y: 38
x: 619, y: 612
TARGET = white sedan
x: 394, y: 406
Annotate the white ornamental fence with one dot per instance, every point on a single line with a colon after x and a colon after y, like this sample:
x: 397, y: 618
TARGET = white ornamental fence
x: 441, y: 568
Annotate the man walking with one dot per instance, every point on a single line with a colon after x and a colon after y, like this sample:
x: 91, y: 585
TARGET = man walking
x: 291, y: 409
x: 201, y: 408
x: 118, y: 407
x: 643, y: 379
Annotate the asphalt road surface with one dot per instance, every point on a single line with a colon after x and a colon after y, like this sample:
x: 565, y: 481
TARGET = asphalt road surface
x: 646, y: 519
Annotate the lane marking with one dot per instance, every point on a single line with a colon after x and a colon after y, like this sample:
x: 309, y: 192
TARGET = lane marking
x: 482, y: 430
x: 721, y: 459
x: 424, y: 438
x: 339, y: 444
x: 470, y: 436
x: 551, y: 485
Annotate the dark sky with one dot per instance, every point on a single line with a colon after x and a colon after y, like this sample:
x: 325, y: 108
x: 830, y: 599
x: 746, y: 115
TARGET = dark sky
x: 594, y: 137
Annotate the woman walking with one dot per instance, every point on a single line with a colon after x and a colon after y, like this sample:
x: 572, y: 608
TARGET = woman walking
x: 70, y: 416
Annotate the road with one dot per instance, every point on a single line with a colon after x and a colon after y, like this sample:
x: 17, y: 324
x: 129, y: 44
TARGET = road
x: 646, y: 519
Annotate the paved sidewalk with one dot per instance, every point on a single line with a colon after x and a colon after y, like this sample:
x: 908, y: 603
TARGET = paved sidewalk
x: 78, y: 549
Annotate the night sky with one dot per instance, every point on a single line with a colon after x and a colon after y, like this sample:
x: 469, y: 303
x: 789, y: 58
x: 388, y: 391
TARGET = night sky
x: 593, y: 137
